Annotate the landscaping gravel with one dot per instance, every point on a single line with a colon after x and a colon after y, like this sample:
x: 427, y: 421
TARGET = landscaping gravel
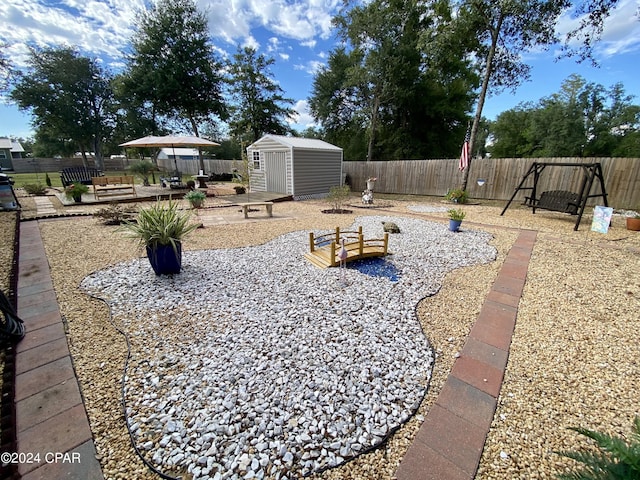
x: 285, y: 369
x: 573, y: 359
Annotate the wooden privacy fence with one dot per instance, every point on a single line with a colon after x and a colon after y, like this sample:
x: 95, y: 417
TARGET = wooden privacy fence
x: 189, y: 167
x: 425, y: 177
x: 192, y: 167
x: 501, y: 175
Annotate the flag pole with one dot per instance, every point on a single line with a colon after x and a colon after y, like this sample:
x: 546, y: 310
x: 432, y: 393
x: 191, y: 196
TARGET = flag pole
x: 465, y: 157
x: 472, y: 141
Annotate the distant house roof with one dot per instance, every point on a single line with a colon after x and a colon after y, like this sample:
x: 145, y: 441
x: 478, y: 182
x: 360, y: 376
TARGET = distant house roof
x: 16, y: 147
x: 300, y: 142
x: 13, y: 146
x: 179, y: 152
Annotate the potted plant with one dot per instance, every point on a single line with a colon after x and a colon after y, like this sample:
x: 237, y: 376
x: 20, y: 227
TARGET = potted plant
x: 457, y: 195
x: 633, y: 221
x: 195, y: 198
x: 75, y: 191
x: 455, y: 219
x: 160, y: 230
x: 371, y: 182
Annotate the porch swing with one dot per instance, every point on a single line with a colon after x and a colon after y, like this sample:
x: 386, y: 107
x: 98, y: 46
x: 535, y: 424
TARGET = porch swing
x: 561, y: 200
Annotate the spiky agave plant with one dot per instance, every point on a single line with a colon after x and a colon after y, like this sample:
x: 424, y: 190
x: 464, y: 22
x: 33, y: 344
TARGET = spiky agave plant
x: 616, y: 459
x: 160, y: 224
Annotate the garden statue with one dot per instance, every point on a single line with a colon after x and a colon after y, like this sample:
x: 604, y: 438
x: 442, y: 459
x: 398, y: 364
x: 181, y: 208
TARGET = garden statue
x: 390, y: 227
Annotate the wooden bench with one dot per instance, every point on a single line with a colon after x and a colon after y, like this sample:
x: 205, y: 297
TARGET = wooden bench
x: 113, y: 186
x: 556, y: 200
x: 246, y: 206
x: 83, y: 175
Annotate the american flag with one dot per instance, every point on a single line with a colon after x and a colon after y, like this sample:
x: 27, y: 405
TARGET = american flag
x: 464, y: 156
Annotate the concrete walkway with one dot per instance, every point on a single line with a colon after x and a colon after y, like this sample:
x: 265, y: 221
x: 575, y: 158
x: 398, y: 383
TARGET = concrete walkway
x: 52, y: 421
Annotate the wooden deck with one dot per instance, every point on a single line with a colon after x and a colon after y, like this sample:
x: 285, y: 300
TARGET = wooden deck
x: 324, y: 249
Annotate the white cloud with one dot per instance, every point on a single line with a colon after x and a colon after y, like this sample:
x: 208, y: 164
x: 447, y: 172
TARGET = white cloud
x: 303, y: 118
x: 311, y: 67
x: 621, y: 32
x: 273, y: 45
x: 104, y: 27
x: 299, y: 20
x: 251, y: 42
x: 96, y: 28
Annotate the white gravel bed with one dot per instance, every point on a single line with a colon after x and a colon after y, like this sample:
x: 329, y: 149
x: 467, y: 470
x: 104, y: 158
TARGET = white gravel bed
x: 252, y: 363
x: 427, y: 208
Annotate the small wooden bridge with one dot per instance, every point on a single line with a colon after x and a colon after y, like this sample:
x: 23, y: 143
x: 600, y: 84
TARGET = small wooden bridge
x: 324, y: 249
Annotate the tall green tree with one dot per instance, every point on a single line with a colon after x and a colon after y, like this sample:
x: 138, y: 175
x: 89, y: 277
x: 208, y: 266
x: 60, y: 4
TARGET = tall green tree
x: 335, y: 102
x: 173, y: 70
x: 509, y: 134
x: 71, y: 99
x: 382, y: 87
x: 500, y: 32
x: 497, y: 33
x: 259, y: 106
x: 582, y: 119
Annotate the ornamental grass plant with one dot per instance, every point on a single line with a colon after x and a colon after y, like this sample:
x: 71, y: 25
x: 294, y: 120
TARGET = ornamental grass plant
x: 160, y: 224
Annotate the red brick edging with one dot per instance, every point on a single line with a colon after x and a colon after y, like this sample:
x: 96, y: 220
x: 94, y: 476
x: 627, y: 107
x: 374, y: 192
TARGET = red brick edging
x: 449, y: 444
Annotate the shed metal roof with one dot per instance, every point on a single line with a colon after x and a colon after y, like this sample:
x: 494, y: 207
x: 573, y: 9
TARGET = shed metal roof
x: 300, y: 142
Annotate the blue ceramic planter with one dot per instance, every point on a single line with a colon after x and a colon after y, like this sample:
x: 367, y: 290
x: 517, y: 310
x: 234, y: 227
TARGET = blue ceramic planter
x: 164, y: 259
x: 454, y: 225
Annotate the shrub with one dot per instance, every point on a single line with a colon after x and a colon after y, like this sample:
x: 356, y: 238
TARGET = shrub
x: 115, y: 214
x: 617, y: 458
x: 338, y: 195
x: 457, y: 195
x: 142, y: 168
x: 159, y: 224
x: 76, y: 190
x: 35, y: 188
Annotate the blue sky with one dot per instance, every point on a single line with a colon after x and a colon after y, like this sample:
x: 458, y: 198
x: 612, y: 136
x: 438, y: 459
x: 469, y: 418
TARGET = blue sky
x: 297, y: 34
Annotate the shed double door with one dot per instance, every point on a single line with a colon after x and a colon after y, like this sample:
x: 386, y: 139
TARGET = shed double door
x: 275, y: 164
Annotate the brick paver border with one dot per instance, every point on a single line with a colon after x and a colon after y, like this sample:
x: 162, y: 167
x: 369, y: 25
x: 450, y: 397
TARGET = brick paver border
x: 449, y: 443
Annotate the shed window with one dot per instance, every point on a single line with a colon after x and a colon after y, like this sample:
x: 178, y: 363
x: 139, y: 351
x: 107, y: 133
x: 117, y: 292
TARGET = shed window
x: 256, y: 160
x: 3, y: 154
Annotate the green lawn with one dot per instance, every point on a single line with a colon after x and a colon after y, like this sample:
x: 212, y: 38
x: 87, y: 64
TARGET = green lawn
x: 22, y: 179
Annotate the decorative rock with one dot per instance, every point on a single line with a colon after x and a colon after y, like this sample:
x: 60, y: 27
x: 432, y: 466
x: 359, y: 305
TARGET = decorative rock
x: 251, y: 387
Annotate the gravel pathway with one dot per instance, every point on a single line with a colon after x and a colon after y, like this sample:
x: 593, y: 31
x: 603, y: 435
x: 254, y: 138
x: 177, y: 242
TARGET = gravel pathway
x: 573, y: 359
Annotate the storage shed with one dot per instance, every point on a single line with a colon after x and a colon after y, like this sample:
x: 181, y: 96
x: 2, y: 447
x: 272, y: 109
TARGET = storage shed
x: 301, y: 167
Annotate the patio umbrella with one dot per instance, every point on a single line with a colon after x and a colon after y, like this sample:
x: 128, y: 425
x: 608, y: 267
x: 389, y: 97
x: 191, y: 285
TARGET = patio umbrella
x: 170, y: 141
